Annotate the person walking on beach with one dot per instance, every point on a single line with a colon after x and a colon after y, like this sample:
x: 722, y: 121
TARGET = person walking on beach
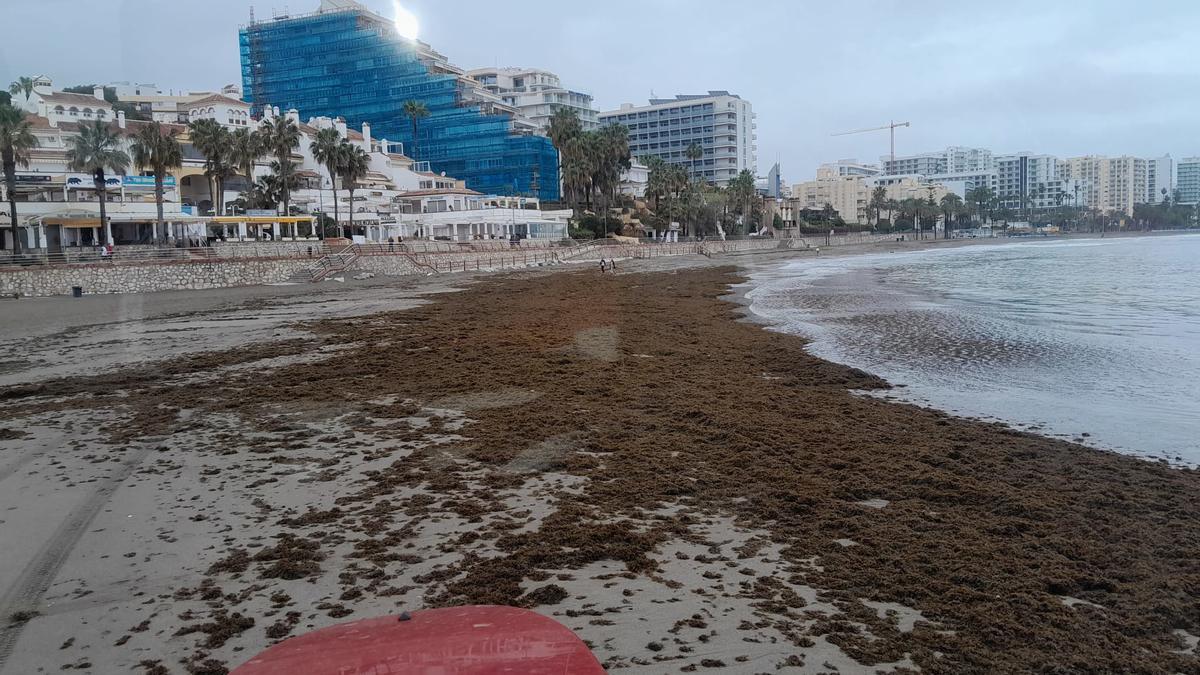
x: 602, y: 265
x: 612, y: 265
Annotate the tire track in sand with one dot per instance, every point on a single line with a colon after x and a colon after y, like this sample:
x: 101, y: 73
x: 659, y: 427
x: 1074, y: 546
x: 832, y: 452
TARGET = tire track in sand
x: 26, y: 592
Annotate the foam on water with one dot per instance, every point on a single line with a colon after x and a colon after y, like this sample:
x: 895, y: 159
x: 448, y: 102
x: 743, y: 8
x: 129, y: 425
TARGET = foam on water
x: 1095, y: 337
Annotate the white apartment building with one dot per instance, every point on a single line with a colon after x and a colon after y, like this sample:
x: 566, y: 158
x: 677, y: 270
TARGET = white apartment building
x: 850, y: 195
x: 61, y: 106
x: 1116, y: 183
x: 1160, y: 179
x: 170, y: 107
x: 1188, y: 180
x: 229, y: 112
x: 721, y: 123
x: 846, y: 167
x: 952, y: 160
x: 536, y: 94
x: 635, y: 179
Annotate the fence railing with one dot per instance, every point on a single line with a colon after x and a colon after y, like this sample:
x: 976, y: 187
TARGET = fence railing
x: 144, y: 254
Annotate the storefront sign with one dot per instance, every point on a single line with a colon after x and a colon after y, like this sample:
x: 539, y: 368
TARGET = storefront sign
x: 146, y: 181
x: 34, y: 177
x: 84, y: 181
x: 261, y: 213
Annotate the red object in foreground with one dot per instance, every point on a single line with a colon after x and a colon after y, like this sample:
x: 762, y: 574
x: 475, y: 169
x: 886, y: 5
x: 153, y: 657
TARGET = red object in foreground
x: 481, y: 640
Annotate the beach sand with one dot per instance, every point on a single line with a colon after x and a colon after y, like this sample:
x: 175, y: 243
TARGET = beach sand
x: 622, y: 452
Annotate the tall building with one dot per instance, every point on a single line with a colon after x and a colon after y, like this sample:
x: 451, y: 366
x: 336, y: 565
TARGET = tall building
x: 846, y: 167
x: 345, y: 60
x: 1019, y: 175
x: 924, y: 164
x: 536, y: 94
x: 952, y: 160
x: 722, y: 124
x: 1117, y: 183
x: 1188, y: 180
x: 1160, y: 179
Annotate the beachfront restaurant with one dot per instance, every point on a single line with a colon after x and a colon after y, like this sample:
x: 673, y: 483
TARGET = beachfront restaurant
x: 57, y: 211
x: 261, y: 226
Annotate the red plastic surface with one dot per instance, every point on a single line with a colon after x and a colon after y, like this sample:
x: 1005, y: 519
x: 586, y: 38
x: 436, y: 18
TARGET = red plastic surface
x: 482, y: 640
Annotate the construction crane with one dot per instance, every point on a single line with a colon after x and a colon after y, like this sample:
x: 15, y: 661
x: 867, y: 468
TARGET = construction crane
x: 891, y: 127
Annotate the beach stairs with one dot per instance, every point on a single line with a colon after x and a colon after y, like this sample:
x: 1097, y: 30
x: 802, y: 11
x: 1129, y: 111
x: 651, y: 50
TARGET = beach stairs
x: 327, y: 265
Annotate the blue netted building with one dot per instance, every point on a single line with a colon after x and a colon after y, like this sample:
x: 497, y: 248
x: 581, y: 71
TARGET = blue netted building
x: 347, y: 61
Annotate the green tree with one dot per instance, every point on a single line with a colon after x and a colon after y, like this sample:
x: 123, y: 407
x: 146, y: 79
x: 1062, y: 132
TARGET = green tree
x: 951, y: 206
x: 693, y: 153
x: 16, y: 140
x: 742, y: 195
x: 214, y: 142
x: 246, y: 148
x: 328, y: 149
x: 878, y: 201
x: 156, y: 149
x: 22, y: 86
x: 280, y: 137
x: 612, y: 159
x: 352, y: 168
x: 415, y: 111
x: 95, y: 149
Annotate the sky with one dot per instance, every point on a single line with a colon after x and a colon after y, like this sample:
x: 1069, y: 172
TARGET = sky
x: 1062, y: 78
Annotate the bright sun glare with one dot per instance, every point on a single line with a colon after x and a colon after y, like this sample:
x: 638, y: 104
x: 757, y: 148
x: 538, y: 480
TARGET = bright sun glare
x: 406, y: 22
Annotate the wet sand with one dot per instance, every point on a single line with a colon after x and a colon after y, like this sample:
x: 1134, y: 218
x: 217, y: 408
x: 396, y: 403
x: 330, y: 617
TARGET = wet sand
x: 622, y: 452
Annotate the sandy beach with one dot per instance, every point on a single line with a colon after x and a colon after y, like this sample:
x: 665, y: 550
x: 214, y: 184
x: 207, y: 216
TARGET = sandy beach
x: 188, y: 478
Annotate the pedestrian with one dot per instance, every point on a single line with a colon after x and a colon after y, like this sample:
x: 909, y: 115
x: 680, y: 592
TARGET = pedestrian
x: 612, y: 265
x: 602, y: 265
x: 391, y: 245
x: 310, y: 251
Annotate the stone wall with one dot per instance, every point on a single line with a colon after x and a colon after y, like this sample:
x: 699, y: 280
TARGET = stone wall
x: 144, y: 277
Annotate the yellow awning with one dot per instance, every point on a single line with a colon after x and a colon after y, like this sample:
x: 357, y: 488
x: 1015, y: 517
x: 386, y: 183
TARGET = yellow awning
x: 72, y: 222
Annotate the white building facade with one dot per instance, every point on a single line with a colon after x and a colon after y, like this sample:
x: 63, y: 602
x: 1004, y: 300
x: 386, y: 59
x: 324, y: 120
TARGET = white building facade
x: 1188, y: 180
x: 537, y: 94
x: 721, y: 123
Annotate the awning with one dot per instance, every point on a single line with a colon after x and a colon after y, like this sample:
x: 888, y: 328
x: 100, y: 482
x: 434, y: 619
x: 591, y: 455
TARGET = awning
x: 72, y: 222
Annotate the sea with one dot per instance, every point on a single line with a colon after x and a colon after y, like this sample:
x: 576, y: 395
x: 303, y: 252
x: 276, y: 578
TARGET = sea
x: 1091, y: 340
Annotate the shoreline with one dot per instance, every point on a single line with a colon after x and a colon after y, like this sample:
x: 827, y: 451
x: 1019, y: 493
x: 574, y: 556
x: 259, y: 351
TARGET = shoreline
x: 590, y: 446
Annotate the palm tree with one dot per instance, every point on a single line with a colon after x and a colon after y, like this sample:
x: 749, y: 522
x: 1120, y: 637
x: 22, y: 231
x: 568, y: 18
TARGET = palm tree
x: 95, y: 149
x: 564, y: 125
x: 741, y: 192
x: 879, y: 201
x: 951, y: 206
x: 22, y: 85
x: 214, y: 142
x: 246, y: 147
x: 353, y: 167
x: 157, y: 150
x: 415, y: 110
x: 282, y: 136
x: 693, y: 153
x: 16, y: 140
x: 327, y: 148
x: 892, y: 207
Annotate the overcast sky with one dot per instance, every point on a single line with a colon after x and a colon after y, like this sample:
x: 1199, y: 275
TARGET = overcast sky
x: 1064, y: 78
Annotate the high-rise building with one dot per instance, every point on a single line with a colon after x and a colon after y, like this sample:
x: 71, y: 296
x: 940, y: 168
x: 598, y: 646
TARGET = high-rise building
x: 1188, y: 180
x: 953, y: 160
x: 846, y: 167
x: 924, y: 164
x: 536, y: 94
x: 1117, y: 183
x: 722, y: 124
x: 1160, y: 179
x: 345, y: 60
